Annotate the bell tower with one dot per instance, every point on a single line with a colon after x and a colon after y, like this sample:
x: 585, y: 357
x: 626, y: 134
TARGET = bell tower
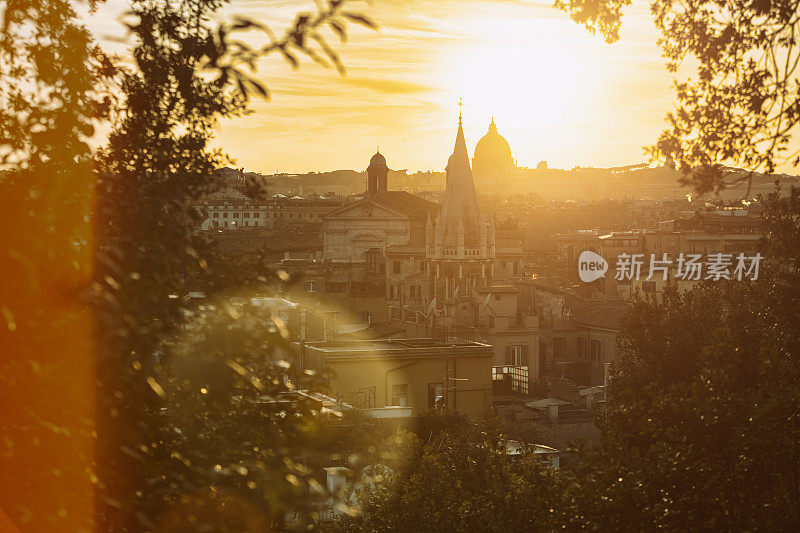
x: 377, y: 174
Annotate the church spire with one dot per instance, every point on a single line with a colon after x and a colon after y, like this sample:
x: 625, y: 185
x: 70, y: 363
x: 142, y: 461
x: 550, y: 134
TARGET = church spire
x: 460, y: 201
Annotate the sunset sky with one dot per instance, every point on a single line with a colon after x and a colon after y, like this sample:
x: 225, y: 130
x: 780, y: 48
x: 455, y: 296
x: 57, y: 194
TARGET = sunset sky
x: 556, y: 92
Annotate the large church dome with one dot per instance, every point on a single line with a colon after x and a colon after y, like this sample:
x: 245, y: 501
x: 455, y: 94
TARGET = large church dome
x: 492, y: 155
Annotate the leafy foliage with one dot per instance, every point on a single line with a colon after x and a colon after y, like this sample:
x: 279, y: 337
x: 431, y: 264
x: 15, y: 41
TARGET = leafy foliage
x: 187, y: 74
x: 232, y: 425
x: 703, y: 410
x: 604, y: 16
x: 463, y: 479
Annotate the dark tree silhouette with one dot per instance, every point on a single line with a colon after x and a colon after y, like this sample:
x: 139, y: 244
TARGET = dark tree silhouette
x: 463, y: 479
x: 56, y: 85
x: 187, y: 74
x: 703, y: 404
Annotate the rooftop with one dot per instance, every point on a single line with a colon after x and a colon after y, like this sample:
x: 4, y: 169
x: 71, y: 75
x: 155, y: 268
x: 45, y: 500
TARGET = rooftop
x: 496, y: 289
x: 596, y: 313
x: 404, y: 202
x: 398, y: 347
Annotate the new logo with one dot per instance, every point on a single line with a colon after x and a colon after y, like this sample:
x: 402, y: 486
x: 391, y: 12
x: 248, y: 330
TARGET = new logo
x: 591, y: 266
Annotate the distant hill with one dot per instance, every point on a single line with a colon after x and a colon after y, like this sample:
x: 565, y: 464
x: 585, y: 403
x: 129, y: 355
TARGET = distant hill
x: 631, y: 181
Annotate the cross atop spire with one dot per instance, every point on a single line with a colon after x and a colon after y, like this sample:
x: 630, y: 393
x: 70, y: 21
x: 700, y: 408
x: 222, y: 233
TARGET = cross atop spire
x: 460, y: 103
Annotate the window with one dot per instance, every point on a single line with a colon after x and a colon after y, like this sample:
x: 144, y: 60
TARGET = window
x: 256, y: 215
x: 224, y: 215
x: 246, y: 215
x: 435, y: 396
x: 517, y: 355
x: 216, y: 215
x: 400, y: 395
x: 395, y: 267
x: 236, y: 215
x: 336, y: 286
x: 596, y: 351
x: 311, y: 286
x: 582, y: 349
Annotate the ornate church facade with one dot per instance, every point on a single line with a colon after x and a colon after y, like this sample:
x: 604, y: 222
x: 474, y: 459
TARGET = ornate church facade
x: 447, y: 269
x: 470, y: 287
x: 379, y: 220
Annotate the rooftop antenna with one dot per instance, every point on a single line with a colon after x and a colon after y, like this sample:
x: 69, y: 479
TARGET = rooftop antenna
x: 460, y: 103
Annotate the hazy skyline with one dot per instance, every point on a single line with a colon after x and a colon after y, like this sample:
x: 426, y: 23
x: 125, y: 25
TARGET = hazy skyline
x: 556, y: 92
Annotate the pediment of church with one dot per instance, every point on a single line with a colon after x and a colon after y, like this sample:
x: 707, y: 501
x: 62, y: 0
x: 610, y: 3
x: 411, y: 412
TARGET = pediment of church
x: 365, y: 209
x: 367, y: 237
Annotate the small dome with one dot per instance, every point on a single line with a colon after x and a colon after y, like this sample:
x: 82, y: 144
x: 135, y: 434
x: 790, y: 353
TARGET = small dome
x: 377, y: 160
